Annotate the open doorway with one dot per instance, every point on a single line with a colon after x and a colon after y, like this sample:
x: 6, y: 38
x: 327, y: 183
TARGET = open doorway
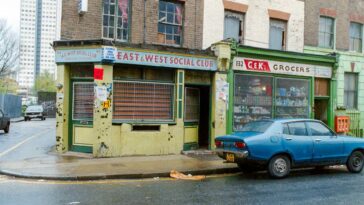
x: 321, y: 106
x: 197, y: 115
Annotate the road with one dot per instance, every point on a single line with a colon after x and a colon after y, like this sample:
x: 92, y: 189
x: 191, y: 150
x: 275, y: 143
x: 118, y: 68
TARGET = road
x: 330, y: 186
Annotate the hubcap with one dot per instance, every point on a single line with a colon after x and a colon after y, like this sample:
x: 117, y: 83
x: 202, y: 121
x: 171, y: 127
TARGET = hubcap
x: 280, y: 166
x: 357, y: 162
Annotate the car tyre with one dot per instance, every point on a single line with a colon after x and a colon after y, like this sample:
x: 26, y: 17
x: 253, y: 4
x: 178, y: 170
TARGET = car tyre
x: 279, y: 167
x: 355, y: 162
x: 7, y: 128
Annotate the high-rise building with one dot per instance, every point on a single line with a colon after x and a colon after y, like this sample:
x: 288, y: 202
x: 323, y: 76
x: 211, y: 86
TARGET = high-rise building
x: 39, y: 27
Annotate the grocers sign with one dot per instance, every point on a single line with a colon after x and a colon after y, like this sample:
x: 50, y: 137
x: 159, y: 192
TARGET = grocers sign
x: 268, y: 66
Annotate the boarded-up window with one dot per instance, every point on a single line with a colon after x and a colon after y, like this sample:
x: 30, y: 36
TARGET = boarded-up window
x: 83, y: 101
x: 277, y: 34
x: 192, y: 105
x: 322, y: 87
x: 143, y: 101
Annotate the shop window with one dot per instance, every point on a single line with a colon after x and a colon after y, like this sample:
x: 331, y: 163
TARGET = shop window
x: 292, y: 98
x: 356, y: 36
x: 143, y: 101
x: 82, y: 71
x: 351, y: 90
x: 83, y: 101
x: 192, y: 104
x: 234, y: 26
x: 277, y: 34
x: 252, y: 99
x: 170, y: 23
x: 326, y: 32
x: 141, y: 73
x: 115, y: 19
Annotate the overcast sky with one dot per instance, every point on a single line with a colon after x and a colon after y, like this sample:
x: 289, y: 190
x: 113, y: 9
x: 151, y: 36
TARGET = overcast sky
x: 10, y: 10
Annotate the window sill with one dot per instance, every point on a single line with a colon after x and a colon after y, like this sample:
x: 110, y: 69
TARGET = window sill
x: 118, y: 122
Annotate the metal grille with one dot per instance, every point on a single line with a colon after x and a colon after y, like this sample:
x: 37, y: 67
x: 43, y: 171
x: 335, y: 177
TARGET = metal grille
x: 143, y: 101
x: 83, y: 100
x: 192, y: 105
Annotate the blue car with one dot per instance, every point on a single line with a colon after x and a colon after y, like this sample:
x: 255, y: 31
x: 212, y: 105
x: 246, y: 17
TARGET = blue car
x: 281, y: 144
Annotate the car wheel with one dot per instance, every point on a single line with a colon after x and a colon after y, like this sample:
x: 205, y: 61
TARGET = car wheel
x: 279, y: 166
x: 355, y: 162
x: 7, y: 128
x: 246, y: 169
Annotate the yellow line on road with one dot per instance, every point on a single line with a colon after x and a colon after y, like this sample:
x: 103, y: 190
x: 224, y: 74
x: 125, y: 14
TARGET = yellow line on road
x: 20, y: 143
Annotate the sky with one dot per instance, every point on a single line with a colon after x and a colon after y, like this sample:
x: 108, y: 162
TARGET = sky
x: 10, y: 10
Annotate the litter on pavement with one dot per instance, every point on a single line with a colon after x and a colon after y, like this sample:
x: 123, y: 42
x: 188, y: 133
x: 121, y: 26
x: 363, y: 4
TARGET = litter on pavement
x: 178, y: 175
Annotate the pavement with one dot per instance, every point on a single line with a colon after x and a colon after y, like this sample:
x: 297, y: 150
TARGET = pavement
x: 72, y: 166
x: 28, y: 151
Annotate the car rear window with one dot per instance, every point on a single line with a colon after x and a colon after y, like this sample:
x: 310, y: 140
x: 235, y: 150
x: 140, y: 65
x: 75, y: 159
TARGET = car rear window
x: 34, y: 109
x: 256, y: 126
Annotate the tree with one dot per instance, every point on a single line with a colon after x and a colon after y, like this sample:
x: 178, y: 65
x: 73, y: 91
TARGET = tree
x: 45, y: 82
x: 9, y: 52
x: 8, y: 85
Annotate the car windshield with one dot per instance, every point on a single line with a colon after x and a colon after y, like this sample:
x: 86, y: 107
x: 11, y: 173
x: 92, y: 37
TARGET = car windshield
x: 37, y: 108
x: 256, y: 126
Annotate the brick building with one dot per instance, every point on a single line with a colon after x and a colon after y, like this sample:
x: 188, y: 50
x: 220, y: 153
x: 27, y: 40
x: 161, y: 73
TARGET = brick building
x: 133, y: 80
x: 336, y: 27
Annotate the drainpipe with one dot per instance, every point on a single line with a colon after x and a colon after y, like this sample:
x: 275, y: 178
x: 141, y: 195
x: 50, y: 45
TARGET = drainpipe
x: 144, y: 21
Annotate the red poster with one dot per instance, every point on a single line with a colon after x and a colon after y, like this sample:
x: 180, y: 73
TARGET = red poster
x: 98, y: 73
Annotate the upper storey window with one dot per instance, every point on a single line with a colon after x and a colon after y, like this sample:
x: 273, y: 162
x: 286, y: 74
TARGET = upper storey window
x: 234, y: 26
x: 115, y: 19
x: 356, y: 36
x: 277, y: 34
x: 326, y: 32
x: 170, y: 23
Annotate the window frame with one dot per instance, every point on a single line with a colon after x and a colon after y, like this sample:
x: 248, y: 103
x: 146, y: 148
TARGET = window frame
x: 116, y: 20
x: 166, y: 23
x: 355, y: 91
x: 241, y: 18
x: 351, y: 38
x: 284, y: 36
x: 332, y: 33
x: 148, y: 121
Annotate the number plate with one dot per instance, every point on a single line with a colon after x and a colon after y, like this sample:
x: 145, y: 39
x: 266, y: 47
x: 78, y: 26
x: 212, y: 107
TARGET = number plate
x: 230, y: 157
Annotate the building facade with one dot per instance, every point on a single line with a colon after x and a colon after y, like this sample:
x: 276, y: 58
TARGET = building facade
x: 337, y: 27
x: 133, y: 80
x: 39, y: 27
x: 257, y: 23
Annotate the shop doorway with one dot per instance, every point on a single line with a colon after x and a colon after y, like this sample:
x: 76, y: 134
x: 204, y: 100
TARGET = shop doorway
x: 321, y: 109
x: 197, y: 117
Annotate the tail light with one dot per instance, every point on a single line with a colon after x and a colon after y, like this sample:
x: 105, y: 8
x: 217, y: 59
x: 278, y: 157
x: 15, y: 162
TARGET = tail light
x: 240, y: 145
x: 218, y: 143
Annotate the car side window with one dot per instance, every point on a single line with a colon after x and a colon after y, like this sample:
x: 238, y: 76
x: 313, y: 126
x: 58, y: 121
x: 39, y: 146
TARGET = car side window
x: 318, y: 129
x: 1, y: 114
x: 297, y: 128
x: 285, y: 129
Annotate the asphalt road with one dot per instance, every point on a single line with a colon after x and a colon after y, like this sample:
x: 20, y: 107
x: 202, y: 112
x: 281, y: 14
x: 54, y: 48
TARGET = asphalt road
x: 331, y: 186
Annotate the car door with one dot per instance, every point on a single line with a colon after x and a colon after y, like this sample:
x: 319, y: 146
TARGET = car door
x: 328, y: 148
x: 297, y: 141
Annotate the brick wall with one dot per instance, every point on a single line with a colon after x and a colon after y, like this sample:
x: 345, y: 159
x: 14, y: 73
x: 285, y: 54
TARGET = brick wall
x: 343, y: 11
x: 89, y: 26
x: 76, y: 27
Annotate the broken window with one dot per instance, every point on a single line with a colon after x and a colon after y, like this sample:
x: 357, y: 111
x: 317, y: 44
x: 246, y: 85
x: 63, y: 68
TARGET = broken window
x: 115, y: 19
x: 277, y: 34
x: 234, y: 26
x: 170, y: 23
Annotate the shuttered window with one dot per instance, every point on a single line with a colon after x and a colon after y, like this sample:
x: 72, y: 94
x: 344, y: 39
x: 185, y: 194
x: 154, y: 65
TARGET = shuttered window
x: 83, y: 100
x: 143, y: 101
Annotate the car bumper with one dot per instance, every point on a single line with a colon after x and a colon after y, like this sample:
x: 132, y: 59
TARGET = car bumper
x: 239, y: 155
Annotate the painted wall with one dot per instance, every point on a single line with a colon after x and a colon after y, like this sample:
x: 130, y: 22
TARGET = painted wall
x: 345, y: 65
x: 256, y: 22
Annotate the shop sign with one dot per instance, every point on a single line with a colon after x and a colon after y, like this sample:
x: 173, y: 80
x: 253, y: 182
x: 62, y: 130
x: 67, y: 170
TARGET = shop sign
x: 78, y: 55
x: 165, y: 60
x: 268, y: 66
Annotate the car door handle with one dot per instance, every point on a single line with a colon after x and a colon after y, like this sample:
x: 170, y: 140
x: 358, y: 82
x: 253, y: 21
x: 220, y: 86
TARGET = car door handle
x: 288, y: 138
x: 318, y: 140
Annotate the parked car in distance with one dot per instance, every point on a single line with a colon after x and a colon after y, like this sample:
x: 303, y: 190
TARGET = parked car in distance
x: 278, y: 145
x: 4, y: 122
x: 34, y: 111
